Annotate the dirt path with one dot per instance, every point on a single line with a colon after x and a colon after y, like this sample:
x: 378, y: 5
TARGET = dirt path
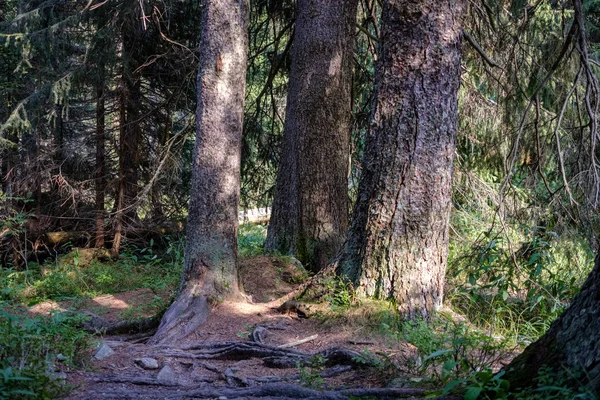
x: 244, y: 351
x: 222, y: 361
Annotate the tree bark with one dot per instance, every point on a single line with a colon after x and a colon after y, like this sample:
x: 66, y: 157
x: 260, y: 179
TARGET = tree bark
x: 210, y: 271
x: 129, y: 128
x: 130, y: 143
x: 570, y: 345
x: 310, y: 209
x: 120, y: 192
x: 398, y: 242
x: 100, y: 164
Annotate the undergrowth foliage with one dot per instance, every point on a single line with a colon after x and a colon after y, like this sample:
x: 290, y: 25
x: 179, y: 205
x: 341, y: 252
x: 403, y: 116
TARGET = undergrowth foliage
x: 518, y: 292
x: 30, y: 348
x: 79, y: 274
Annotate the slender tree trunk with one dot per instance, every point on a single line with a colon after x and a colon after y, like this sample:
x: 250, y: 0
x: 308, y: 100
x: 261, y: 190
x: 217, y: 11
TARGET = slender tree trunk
x: 120, y: 192
x: 210, y: 271
x: 38, y: 174
x: 398, y: 242
x: 310, y: 209
x: 59, y: 135
x: 129, y: 130
x: 131, y: 147
x: 10, y: 162
x: 100, y: 165
x: 570, y: 345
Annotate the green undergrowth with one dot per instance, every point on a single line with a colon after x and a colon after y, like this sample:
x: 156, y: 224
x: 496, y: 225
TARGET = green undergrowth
x: 32, y: 349
x: 251, y: 239
x: 516, y: 287
x: 76, y: 275
x: 449, y: 350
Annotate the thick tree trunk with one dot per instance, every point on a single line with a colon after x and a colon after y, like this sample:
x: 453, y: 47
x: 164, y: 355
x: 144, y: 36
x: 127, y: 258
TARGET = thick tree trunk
x: 398, y: 243
x: 570, y: 345
x: 210, y: 271
x: 310, y: 209
x: 100, y: 164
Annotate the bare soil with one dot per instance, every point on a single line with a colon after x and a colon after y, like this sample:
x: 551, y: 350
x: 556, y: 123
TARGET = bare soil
x: 212, y: 364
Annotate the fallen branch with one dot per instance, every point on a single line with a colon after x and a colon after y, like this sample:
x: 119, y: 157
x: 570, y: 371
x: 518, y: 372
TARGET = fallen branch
x: 298, y: 342
x: 98, y: 325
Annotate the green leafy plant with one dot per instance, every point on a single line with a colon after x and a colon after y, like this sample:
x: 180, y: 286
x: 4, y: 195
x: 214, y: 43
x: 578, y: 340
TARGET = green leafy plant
x: 340, y: 293
x: 379, y: 361
x: 310, y: 372
x: 77, y: 276
x: 244, y: 334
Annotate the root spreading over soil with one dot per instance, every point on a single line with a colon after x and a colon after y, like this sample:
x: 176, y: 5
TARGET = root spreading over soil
x: 243, y: 351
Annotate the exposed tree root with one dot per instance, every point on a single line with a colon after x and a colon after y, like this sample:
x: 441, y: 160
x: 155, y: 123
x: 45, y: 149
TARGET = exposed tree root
x: 274, y: 357
x: 136, y: 380
x: 273, y: 391
x: 315, y: 288
x: 338, y: 361
x: 258, y: 334
x: 98, y: 325
x: 184, y: 317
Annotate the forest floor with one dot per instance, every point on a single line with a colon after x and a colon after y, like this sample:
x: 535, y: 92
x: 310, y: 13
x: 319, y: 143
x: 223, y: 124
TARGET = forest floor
x: 244, y: 350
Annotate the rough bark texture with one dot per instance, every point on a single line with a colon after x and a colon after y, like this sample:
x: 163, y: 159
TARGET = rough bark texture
x: 398, y: 242
x: 310, y: 209
x: 569, y: 345
x: 210, y: 272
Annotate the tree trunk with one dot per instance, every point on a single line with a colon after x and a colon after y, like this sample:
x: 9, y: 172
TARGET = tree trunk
x: 100, y: 167
x: 130, y: 143
x: 129, y: 130
x: 570, y: 345
x: 131, y: 148
x: 397, y: 245
x: 120, y: 192
x: 310, y: 209
x: 210, y: 271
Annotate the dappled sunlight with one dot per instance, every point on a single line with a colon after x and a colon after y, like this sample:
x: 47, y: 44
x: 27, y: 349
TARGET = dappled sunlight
x: 46, y: 308
x: 111, y: 301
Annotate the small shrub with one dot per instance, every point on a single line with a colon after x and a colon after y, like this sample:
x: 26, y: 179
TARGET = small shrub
x: 71, y: 277
x: 340, y: 293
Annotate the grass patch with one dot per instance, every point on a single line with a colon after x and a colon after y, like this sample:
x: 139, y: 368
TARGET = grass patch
x: 73, y: 277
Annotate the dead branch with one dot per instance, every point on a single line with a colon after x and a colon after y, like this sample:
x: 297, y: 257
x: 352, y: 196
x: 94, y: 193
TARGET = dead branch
x: 298, y: 342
